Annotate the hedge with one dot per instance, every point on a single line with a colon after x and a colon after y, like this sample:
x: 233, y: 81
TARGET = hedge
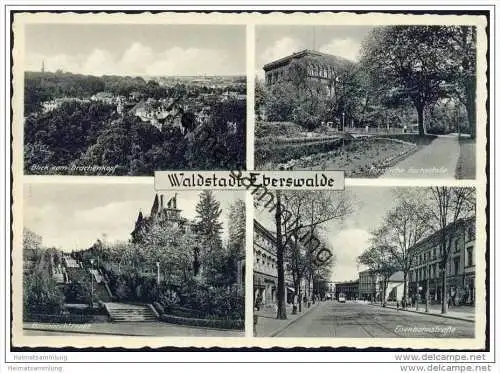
x: 59, y: 319
x: 206, y: 323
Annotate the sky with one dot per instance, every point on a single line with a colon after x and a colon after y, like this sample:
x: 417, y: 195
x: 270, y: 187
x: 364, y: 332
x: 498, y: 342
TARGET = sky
x: 350, y: 237
x: 73, y: 216
x: 137, y: 50
x: 274, y: 42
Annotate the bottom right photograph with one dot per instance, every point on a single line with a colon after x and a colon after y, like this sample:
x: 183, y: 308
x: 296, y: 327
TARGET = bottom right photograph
x: 366, y: 262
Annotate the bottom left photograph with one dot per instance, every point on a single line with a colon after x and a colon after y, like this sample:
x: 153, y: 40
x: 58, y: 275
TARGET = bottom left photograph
x: 126, y: 260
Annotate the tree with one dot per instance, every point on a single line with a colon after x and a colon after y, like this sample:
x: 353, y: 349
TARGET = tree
x: 464, y: 55
x: 414, y: 60
x: 280, y: 253
x: 208, y: 211
x: 403, y: 227
x: 447, y: 206
x: 41, y: 295
x: 381, y: 264
x: 299, y: 215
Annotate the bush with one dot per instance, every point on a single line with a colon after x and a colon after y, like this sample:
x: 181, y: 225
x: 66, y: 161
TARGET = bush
x: 207, y: 323
x: 59, y: 318
x: 41, y: 295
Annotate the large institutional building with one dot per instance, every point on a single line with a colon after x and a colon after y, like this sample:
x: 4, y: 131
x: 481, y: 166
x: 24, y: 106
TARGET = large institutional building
x: 460, y: 267
x: 426, y: 266
x: 321, y: 67
x: 265, y: 269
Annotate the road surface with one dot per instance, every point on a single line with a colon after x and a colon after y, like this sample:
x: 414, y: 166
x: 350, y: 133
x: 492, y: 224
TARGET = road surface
x: 436, y: 160
x: 353, y: 320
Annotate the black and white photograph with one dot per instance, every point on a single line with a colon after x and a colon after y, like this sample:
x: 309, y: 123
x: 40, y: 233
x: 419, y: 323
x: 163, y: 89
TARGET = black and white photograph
x: 375, y: 101
x: 347, y: 265
x: 120, y: 259
x: 130, y: 99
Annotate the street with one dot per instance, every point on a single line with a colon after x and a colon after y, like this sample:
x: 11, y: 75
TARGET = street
x: 362, y: 320
x: 436, y: 160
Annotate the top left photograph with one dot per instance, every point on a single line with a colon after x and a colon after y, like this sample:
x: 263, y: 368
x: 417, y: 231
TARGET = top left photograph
x: 130, y: 99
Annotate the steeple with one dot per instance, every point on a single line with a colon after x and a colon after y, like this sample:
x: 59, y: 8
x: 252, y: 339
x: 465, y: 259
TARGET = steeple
x: 43, y: 66
x: 154, y: 209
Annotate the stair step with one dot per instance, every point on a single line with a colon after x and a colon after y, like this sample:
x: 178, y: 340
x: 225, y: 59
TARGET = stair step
x: 129, y: 312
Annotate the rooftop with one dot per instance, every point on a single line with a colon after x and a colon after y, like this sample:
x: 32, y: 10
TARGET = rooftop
x: 330, y: 58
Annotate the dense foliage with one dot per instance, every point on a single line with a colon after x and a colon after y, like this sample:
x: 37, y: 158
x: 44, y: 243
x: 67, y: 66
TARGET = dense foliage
x: 406, y: 76
x: 80, y: 134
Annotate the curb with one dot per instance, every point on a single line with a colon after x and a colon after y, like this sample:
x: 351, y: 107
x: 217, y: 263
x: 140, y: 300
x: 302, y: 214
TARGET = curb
x: 291, y: 322
x: 429, y: 313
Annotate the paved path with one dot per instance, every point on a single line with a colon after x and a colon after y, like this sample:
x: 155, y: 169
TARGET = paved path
x: 351, y: 320
x: 436, y: 160
x: 127, y: 329
x: 461, y: 312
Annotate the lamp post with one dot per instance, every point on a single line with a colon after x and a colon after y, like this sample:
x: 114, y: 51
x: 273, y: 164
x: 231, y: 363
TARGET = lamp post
x: 419, y: 289
x: 343, y: 121
x: 427, y: 290
x: 92, y: 284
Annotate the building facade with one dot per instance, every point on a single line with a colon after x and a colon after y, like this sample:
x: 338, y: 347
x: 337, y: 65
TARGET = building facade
x: 460, y: 267
x: 265, y: 270
x: 350, y: 289
x: 325, y: 68
x: 368, y: 286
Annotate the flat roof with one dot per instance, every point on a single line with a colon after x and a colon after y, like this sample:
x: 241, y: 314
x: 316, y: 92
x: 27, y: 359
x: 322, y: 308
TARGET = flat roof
x: 303, y: 53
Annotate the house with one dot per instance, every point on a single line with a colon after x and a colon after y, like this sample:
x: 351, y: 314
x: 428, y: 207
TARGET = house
x: 322, y: 67
x: 104, y: 97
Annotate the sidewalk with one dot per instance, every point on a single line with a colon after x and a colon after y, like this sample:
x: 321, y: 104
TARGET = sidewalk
x: 269, y: 326
x: 464, y: 313
x: 132, y: 329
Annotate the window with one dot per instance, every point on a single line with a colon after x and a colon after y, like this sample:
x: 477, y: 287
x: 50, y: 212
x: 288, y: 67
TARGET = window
x: 470, y: 261
x: 471, y: 233
x: 456, y: 263
x: 456, y: 245
x: 434, y: 253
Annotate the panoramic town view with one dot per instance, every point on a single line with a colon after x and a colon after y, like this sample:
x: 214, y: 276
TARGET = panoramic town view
x: 392, y: 101
x: 347, y: 265
x: 124, y: 260
x: 133, y: 102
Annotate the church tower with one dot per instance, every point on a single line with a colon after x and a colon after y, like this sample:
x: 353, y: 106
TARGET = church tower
x: 43, y: 66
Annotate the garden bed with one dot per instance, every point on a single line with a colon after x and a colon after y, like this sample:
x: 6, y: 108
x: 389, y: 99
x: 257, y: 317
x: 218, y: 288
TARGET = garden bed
x: 364, y: 157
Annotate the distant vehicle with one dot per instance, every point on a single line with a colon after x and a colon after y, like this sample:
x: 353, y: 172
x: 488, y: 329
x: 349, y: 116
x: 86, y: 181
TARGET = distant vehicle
x: 341, y: 298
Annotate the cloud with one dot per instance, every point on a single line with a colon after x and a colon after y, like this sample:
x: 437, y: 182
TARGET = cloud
x: 348, y: 245
x: 281, y: 48
x: 347, y: 48
x: 139, y: 59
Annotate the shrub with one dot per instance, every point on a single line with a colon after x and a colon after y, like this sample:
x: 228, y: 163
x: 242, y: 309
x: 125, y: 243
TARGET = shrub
x: 41, y: 295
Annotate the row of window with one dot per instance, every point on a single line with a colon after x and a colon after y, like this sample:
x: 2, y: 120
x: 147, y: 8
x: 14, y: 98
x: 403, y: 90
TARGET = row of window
x: 453, y: 267
x: 469, y: 235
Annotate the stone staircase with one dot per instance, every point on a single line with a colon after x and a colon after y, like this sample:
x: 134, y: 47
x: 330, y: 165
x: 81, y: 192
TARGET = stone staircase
x: 130, y: 312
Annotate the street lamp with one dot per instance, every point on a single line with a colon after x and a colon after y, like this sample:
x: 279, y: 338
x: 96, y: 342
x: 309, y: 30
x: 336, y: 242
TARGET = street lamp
x: 92, y: 284
x: 419, y: 289
x: 427, y: 290
x: 343, y: 121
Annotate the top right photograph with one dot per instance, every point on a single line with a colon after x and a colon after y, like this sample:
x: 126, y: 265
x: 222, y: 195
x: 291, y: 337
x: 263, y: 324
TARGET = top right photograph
x: 378, y: 102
